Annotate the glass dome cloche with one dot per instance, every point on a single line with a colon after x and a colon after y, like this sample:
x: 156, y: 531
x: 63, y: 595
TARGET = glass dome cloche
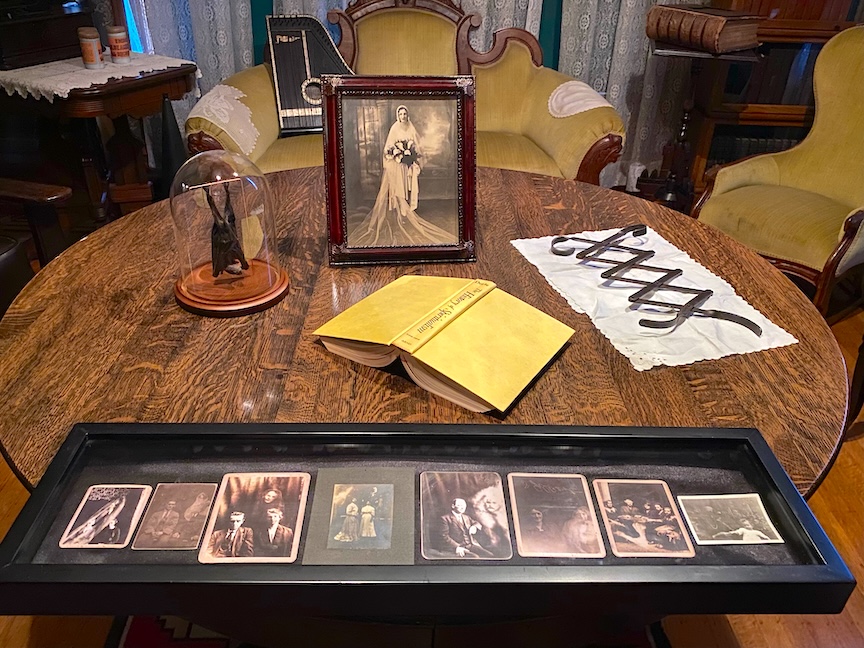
x: 225, y: 231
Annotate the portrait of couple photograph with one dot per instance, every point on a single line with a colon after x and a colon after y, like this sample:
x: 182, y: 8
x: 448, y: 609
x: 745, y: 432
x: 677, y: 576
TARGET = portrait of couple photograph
x: 554, y: 516
x: 401, y: 172
x: 463, y: 516
x: 257, y: 518
x: 175, y: 517
x: 361, y: 516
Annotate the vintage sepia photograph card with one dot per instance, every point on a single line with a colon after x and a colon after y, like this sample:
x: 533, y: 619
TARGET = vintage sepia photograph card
x: 175, y: 517
x: 641, y: 519
x: 553, y: 516
x: 463, y: 516
x: 362, y: 516
x: 106, y: 517
x: 257, y: 517
x: 728, y: 519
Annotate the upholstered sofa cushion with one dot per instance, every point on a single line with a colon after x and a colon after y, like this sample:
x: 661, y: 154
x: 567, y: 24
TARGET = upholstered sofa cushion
x: 781, y: 222
x: 514, y: 152
x: 498, y: 150
x: 292, y: 153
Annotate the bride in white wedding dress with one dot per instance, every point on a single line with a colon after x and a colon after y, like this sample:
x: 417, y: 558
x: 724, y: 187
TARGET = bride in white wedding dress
x: 393, y: 220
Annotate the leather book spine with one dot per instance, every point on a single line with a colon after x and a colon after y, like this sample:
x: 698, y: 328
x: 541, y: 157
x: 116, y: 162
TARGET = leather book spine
x: 711, y: 34
x: 673, y: 26
x: 652, y: 22
x: 682, y: 27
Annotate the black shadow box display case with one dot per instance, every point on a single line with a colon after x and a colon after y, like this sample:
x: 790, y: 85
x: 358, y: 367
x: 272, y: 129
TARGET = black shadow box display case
x: 117, y: 524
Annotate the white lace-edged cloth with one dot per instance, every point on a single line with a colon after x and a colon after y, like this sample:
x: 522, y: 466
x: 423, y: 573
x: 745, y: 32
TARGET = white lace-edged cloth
x: 59, y: 78
x: 573, y: 97
x: 606, y: 303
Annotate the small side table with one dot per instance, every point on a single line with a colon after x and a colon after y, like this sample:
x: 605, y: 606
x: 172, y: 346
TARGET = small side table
x: 124, y: 187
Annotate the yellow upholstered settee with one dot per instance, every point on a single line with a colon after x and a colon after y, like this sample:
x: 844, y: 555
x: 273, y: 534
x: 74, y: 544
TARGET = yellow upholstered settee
x: 803, y: 208
x: 515, y: 97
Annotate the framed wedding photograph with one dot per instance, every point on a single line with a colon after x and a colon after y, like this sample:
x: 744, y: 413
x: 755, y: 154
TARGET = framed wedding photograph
x: 400, y: 159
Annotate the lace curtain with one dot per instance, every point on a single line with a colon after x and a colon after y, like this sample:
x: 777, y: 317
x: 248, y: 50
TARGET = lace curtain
x: 496, y: 14
x: 216, y: 34
x: 603, y: 43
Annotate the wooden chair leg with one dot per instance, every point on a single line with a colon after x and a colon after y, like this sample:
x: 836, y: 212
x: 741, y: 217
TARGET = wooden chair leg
x: 856, y: 390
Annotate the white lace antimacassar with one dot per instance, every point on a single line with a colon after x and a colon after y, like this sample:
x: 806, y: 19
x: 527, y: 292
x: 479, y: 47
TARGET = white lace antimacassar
x: 223, y: 107
x: 574, y: 97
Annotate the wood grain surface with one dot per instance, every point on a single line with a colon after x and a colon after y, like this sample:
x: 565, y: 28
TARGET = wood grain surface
x: 96, y: 336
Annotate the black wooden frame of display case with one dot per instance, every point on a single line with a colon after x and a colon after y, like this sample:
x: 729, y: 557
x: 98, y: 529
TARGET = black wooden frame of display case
x: 427, y: 589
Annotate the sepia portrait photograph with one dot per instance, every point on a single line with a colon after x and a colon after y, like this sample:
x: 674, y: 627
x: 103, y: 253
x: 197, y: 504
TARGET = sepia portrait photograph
x: 361, y: 516
x: 641, y: 519
x: 106, y: 517
x: 400, y: 172
x: 553, y: 516
x: 463, y: 516
x: 175, y: 517
x: 400, y: 165
x: 728, y: 519
x: 257, y: 518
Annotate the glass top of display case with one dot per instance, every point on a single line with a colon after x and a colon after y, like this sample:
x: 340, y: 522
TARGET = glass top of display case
x: 163, y: 518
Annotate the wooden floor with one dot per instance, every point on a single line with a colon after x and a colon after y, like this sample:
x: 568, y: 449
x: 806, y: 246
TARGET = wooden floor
x: 838, y: 504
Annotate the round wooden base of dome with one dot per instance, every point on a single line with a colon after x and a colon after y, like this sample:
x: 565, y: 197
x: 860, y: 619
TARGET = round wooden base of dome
x: 228, y: 295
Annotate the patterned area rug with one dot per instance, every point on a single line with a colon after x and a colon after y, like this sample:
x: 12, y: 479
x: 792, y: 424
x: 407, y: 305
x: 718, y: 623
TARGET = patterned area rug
x: 165, y: 632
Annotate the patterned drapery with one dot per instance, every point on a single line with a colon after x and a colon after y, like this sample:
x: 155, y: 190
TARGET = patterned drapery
x: 496, y: 14
x: 216, y: 34
x: 603, y: 43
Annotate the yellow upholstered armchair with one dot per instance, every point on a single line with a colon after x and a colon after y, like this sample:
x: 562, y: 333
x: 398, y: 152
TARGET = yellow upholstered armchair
x: 803, y: 208
x: 528, y: 118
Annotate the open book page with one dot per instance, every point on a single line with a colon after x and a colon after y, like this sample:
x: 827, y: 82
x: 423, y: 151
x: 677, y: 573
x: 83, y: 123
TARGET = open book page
x: 495, y: 348
x: 387, y: 312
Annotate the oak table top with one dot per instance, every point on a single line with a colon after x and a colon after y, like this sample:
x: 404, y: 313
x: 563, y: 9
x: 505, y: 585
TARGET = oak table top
x: 96, y: 336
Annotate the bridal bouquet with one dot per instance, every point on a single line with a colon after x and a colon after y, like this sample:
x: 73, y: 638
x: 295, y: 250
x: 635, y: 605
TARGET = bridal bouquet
x: 403, y: 151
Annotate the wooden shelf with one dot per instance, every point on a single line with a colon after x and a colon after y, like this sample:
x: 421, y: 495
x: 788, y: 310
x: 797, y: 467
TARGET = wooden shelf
x: 800, y: 31
x: 761, y: 114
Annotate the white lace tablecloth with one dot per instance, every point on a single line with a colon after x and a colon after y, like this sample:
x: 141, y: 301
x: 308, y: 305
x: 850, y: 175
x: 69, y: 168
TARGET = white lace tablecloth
x: 59, y: 78
x: 606, y: 303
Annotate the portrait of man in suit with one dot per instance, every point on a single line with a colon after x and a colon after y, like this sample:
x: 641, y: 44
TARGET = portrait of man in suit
x: 277, y: 539
x: 457, y: 533
x: 237, y: 541
x: 163, y: 522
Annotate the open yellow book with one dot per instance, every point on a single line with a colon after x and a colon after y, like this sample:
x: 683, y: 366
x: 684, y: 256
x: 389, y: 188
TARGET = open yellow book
x: 462, y: 339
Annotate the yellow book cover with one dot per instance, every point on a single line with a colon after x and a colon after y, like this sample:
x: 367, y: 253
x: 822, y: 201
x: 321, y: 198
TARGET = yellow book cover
x: 463, y: 339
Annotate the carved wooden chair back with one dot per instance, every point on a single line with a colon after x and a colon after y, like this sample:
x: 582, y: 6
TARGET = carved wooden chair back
x: 417, y: 38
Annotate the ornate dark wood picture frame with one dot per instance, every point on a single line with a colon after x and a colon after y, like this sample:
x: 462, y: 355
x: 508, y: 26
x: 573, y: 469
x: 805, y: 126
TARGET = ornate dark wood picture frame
x: 400, y: 159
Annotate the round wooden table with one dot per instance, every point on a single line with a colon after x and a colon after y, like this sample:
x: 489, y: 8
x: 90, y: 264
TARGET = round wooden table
x: 96, y: 336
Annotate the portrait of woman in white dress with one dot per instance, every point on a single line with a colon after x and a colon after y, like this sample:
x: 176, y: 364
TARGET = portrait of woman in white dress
x: 367, y: 521
x: 393, y: 220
